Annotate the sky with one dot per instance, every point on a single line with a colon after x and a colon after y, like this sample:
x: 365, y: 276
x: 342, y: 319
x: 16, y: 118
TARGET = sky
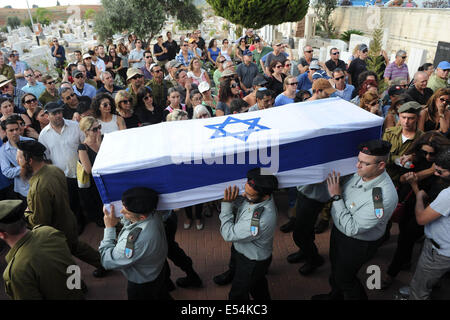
x: 22, y: 4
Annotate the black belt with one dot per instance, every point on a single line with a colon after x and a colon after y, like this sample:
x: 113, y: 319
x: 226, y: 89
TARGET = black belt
x: 435, y: 244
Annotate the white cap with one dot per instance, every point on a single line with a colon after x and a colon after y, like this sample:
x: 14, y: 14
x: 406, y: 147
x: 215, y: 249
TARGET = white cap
x: 203, y: 87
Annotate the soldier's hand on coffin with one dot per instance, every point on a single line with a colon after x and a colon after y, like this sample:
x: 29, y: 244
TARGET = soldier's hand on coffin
x: 230, y: 194
x: 333, y: 183
x: 110, y: 218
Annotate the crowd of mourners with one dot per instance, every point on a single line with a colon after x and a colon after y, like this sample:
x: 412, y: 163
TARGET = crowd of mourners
x: 130, y: 84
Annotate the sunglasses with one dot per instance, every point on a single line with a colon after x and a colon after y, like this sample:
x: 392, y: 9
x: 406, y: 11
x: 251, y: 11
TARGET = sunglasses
x: 88, y: 58
x: 311, y: 51
x: 373, y: 103
x: 138, y: 76
x: 445, y: 101
x: 106, y: 104
x: 185, y: 45
x: 51, y: 82
x: 335, y: 53
x: 425, y: 153
x: 279, y: 66
x: 127, y: 101
x: 70, y: 96
x: 365, y: 51
x: 30, y: 101
x: 287, y: 65
x: 222, y: 61
x: 146, y: 98
x: 291, y: 84
x: 404, y: 57
x: 55, y: 40
x: 234, y: 85
x: 79, y: 76
x: 99, y: 127
x: 29, y: 75
x: 339, y: 78
x: 157, y: 71
x: 38, y: 75
x: 148, y: 57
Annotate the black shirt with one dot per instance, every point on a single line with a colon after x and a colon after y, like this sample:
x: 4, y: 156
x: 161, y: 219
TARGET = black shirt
x: 158, y: 49
x: 147, y: 116
x: 132, y: 122
x: 172, y: 49
x: 331, y: 65
x: 357, y: 66
x: 417, y: 96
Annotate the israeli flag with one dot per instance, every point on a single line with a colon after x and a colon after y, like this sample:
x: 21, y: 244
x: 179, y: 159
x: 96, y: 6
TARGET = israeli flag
x: 193, y: 161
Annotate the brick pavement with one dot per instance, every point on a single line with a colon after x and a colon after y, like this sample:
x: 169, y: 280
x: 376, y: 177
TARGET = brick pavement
x: 210, y: 255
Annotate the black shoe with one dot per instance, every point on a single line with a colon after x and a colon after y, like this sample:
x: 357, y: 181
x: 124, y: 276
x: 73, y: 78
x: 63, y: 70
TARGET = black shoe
x: 323, y: 296
x: 321, y: 226
x: 296, y: 257
x: 189, y: 281
x: 224, y: 278
x: 288, y: 226
x: 100, y: 272
x: 170, y: 285
x: 310, y: 266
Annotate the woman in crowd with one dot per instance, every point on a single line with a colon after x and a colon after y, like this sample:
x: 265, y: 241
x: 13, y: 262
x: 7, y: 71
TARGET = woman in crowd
x: 367, y: 85
x: 288, y: 95
x: 277, y: 77
x: 30, y: 102
x: 40, y: 119
x: 422, y: 153
x: 104, y: 110
x: 145, y: 110
x: 123, y: 55
x: 287, y: 67
x: 196, y: 73
x: 427, y: 67
x: 125, y: 109
x: 302, y: 95
x: 208, y: 99
x: 213, y: 51
x: 436, y: 115
x: 174, y: 98
x: 201, y: 112
x: 219, y: 69
x: 239, y: 51
x: 92, y: 72
x: 226, y: 50
x: 370, y: 102
x: 87, y: 152
x: 177, y: 115
x: 113, y: 62
x: 7, y: 109
x: 195, y: 100
x: 228, y: 90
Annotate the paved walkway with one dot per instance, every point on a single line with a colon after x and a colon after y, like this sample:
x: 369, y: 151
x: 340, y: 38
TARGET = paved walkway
x: 210, y: 255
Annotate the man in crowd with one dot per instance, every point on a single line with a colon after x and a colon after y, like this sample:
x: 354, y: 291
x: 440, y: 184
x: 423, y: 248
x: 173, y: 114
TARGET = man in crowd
x: 48, y: 200
x: 6, y: 70
x: 59, y: 53
x: 321, y: 89
x: 249, y: 224
x: 362, y: 207
x: 83, y: 70
x: 71, y: 102
x: 305, y: 80
x: 172, y: 46
x: 259, y: 52
x: 263, y: 100
x: 148, y: 63
x: 343, y: 90
x: 185, y: 86
x: 34, y: 87
x: 172, y: 67
x: 397, y: 68
x: 277, y: 54
x: 258, y: 82
x: 135, y: 78
x: 335, y: 62
x: 394, y: 93
x: 305, y: 61
x: 159, y: 87
x: 80, y: 87
x: 78, y: 57
x: 96, y: 61
x: 19, y: 68
x: 38, y: 260
x: 50, y: 94
x: 358, y: 65
x: 136, y: 57
x: 100, y: 53
x: 420, y: 92
x: 185, y: 56
x: 440, y: 77
x: 247, y: 71
x: 140, y: 249
x: 8, y: 90
x: 108, y: 84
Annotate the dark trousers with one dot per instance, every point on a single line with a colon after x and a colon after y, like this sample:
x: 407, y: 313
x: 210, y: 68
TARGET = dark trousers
x: 153, y: 290
x: 306, y: 216
x: 8, y: 193
x: 198, y: 211
x: 249, y: 278
x: 347, y: 256
x: 75, y: 201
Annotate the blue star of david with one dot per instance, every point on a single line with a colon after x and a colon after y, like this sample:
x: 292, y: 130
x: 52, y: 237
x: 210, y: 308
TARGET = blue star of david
x: 220, y: 132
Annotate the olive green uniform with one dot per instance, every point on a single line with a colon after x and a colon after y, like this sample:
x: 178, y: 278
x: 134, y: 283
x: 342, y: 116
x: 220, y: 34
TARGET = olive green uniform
x: 9, y: 73
x: 46, y: 97
x: 37, y: 267
x: 48, y: 201
x: 159, y: 92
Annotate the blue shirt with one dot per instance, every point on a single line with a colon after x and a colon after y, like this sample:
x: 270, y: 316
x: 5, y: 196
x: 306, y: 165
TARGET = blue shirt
x: 281, y: 100
x: 345, y: 94
x: 180, y: 59
x: 20, y: 68
x: 303, y: 82
x: 11, y: 169
x: 37, y: 89
x: 88, y: 90
x: 60, y: 51
x: 4, y: 181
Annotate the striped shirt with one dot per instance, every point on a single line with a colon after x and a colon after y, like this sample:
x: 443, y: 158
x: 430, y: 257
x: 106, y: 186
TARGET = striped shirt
x: 393, y: 71
x: 180, y: 59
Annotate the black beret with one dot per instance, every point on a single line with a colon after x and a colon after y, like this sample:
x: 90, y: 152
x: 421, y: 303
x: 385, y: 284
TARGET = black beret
x: 140, y: 200
x: 33, y: 147
x: 11, y: 211
x: 375, y: 147
x: 263, y: 183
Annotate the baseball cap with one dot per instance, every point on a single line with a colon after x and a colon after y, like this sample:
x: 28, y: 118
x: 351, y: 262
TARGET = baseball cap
x: 131, y: 72
x: 259, y: 80
x: 363, y: 47
x: 444, y: 65
x: 410, y: 107
x: 174, y: 64
x: 323, y: 84
x: 4, y: 81
x: 76, y: 72
x: 203, y: 87
x: 314, y: 65
x: 152, y: 66
x: 247, y: 53
x: 52, y: 107
x: 86, y: 55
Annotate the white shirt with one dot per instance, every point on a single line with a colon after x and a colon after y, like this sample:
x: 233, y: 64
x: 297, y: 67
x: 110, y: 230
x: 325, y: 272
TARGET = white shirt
x: 100, y: 64
x: 62, y: 148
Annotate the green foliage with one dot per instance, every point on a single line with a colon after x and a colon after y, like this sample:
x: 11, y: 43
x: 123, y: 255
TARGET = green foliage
x: 58, y: 4
x: 7, y: 7
x: 375, y: 61
x: 323, y: 9
x: 258, y: 13
x: 4, y: 29
x: 239, y: 30
x: 89, y: 14
x: 345, y: 36
x: 27, y: 23
x: 13, y: 22
x: 43, y: 16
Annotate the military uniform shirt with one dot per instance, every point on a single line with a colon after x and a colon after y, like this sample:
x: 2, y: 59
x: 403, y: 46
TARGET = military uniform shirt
x: 149, y: 254
x: 237, y: 230
x: 354, y: 215
x: 37, y: 267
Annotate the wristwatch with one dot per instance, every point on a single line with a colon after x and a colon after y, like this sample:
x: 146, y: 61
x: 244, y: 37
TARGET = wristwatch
x: 336, y: 197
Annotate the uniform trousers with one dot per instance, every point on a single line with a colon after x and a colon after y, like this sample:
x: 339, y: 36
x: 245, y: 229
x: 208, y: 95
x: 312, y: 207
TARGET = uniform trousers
x: 153, y: 290
x: 85, y: 253
x: 347, y: 256
x: 75, y: 201
x: 430, y: 268
x: 306, y: 216
x: 249, y: 278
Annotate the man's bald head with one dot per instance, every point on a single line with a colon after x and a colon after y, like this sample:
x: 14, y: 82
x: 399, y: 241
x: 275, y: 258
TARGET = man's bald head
x: 420, y: 80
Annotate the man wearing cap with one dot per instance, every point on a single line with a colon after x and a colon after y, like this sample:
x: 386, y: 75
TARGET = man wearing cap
x: 50, y: 94
x: 19, y: 67
x: 8, y: 157
x: 362, y: 206
x: 259, y: 52
x: 71, y: 102
x: 140, y: 249
x: 343, y: 90
x: 6, y: 70
x: 48, y: 200
x: 321, y: 89
x: 440, y: 77
x: 33, y: 86
x: 172, y: 67
x: 305, y: 80
x: 420, y: 92
x: 398, y: 68
x: 394, y: 93
x: 135, y: 79
x: 159, y: 87
x: 358, y: 65
x: 9, y: 91
x: 263, y: 99
x: 80, y: 87
x: 38, y: 260
x: 108, y: 84
x: 249, y: 222
x: 305, y: 61
x: 247, y: 71
x: 402, y: 136
x: 258, y: 82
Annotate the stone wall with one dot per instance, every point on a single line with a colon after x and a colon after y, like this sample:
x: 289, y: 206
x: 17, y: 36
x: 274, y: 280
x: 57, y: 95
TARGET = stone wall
x: 405, y: 28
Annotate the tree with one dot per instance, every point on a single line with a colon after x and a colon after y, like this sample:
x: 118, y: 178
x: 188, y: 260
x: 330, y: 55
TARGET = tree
x: 43, y: 16
x: 13, y: 22
x: 58, y: 4
x: 7, y: 7
x: 323, y: 9
x: 89, y: 14
x: 35, y: 6
x: 258, y: 13
x: 375, y: 60
x: 145, y: 18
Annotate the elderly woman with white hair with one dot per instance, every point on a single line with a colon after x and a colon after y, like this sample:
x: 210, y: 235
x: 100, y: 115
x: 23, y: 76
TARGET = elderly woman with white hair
x: 201, y: 112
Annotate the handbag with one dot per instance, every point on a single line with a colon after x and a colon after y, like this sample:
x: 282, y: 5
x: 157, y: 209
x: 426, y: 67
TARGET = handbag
x: 83, y: 179
x: 399, y: 211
